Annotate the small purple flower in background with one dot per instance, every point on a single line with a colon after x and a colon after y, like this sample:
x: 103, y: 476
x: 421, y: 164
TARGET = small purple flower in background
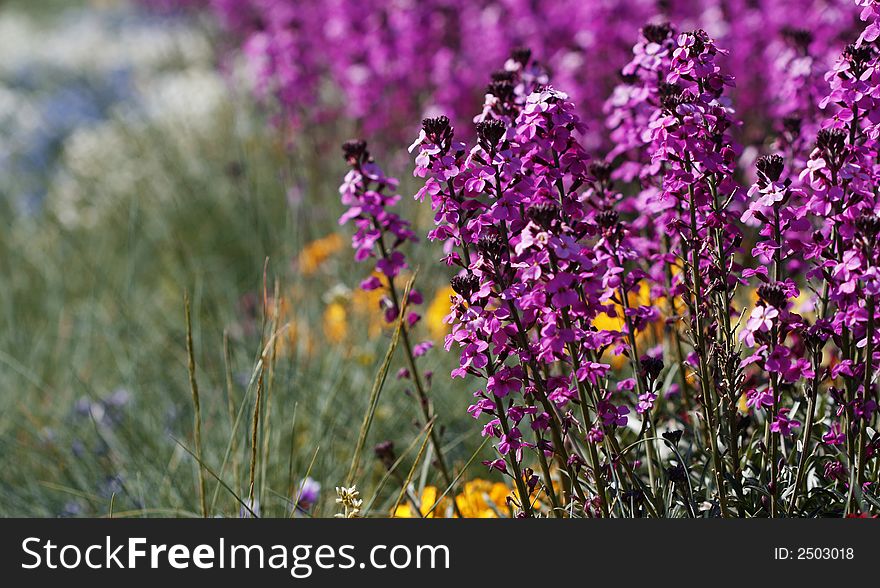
x: 419, y: 349
x: 306, y: 495
x: 71, y: 509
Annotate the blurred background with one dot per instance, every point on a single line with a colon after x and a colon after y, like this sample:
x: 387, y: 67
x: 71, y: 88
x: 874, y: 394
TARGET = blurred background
x: 134, y: 167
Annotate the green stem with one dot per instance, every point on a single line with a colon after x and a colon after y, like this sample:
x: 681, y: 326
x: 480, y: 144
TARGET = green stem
x: 705, y: 378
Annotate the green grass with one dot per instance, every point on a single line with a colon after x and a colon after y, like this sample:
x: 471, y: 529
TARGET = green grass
x: 88, y: 311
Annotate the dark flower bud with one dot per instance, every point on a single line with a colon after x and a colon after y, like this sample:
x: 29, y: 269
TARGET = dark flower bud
x: 673, y: 436
x: 831, y: 140
x: 671, y: 95
x: 521, y: 55
x: 676, y: 474
x: 490, y: 246
x: 531, y: 479
x: 385, y: 453
x: 816, y: 336
x: 437, y: 130
x: 868, y: 225
x: 503, y: 90
x: 792, y: 125
x: 544, y: 214
x: 657, y: 33
x: 797, y: 38
x: 773, y: 295
x: 600, y: 170
x: 650, y: 366
x: 502, y: 75
x: 608, y: 219
x: 858, y: 58
x: 355, y: 152
x: 700, y: 38
x: 465, y: 285
x: 837, y: 395
x: 502, y: 85
x: 489, y: 133
x: 769, y: 168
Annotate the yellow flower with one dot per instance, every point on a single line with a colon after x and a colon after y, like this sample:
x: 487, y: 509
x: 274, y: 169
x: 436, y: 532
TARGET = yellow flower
x: 642, y: 297
x: 427, y: 500
x: 366, y: 304
x: 314, y: 254
x: 606, y: 322
x: 804, y: 304
x: 436, y: 311
x: 482, y: 499
x: 293, y: 331
x: 479, y: 499
x: 741, y: 405
x: 335, y: 322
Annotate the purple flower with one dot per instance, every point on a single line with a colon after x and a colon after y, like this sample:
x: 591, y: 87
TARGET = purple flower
x: 757, y: 399
x: 307, y: 493
x: 419, y: 349
x: 783, y: 425
x: 646, y: 402
x: 760, y: 321
x: 612, y: 415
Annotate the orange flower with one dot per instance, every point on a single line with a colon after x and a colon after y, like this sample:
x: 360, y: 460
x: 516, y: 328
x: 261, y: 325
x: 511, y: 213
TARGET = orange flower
x: 316, y: 253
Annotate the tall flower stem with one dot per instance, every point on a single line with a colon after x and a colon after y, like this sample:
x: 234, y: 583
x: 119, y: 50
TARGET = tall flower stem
x: 808, y: 431
x: 728, y: 340
x: 555, y: 428
x: 585, y: 414
x: 866, y: 387
x: 676, y: 336
x: 705, y: 377
x: 641, y: 384
x: 522, y: 491
x: 425, y: 404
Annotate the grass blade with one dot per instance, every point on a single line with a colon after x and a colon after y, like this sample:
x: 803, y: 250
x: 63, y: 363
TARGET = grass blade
x: 219, y: 480
x: 194, y: 386
x: 458, y: 477
x: 415, y: 465
x: 390, y: 472
x: 378, y: 384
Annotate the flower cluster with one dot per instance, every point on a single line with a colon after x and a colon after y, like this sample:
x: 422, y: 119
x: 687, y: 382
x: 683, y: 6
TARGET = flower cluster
x: 380, y: 233
x: 423, y: 58
x: 530, y: 222
x: 599, y: 308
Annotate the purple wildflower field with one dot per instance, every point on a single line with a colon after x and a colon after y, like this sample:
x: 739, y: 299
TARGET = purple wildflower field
x: 611, y: 156
x: 659, y: 223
